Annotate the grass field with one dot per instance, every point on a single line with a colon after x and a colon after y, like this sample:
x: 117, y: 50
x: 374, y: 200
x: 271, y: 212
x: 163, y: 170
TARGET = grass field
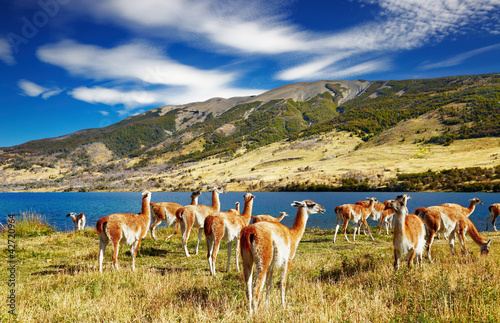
x: 57, y: 280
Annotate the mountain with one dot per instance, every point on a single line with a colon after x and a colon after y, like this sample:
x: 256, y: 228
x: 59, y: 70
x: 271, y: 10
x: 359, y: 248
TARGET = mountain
x: 158, y: 124
x: 165, y: 147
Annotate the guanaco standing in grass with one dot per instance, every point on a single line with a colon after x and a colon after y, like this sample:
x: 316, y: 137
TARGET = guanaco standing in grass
x: 226, y: 226
x: 126, y: 228
x: 193, y: 216
x: 409, y: 233
x: 355, y: 213
x: 271, y: 245
x: 165, y: 211
x: 494, y: 212
x: 78, y: 220
x: 451, y: 220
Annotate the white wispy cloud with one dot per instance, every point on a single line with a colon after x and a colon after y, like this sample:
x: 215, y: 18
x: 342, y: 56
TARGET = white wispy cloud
x: 113, y: 96
x: 257, y: 29
x: 6, y: 55
x: 137, y: 61
x: 459, y: 58
x: 32, y: 89
x: 244, y: 26
x: 142, y: 64
x: 242, y: 30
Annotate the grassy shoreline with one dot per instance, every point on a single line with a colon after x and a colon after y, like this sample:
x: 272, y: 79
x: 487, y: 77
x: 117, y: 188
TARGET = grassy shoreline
x: 57, y: 280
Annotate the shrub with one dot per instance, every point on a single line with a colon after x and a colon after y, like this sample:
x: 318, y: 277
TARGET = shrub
x: 31, y: 224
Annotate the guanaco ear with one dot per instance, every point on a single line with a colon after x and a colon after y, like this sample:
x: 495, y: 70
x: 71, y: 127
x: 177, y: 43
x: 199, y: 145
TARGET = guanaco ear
x: 298, y: 204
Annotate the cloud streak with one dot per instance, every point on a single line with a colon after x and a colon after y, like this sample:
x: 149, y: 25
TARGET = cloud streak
x: 32, y: 89
x: 460, y: 58
x: 136, y: 69
x: 6, y: 55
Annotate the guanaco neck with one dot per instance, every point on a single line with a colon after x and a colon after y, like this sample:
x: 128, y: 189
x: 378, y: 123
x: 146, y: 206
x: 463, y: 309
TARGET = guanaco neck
x: 280, y: 217
x: 399, y: 222
x: 299, y: 224
x: 471, y: 207
x: 247, y: 211
x: 215, y: 200
x: 370, y: 205
x: 194, y: 201
x: 145, y: 205
x: 474, y: 234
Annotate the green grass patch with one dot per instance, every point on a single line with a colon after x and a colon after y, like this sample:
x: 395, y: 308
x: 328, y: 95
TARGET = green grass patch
x: 32, y: 224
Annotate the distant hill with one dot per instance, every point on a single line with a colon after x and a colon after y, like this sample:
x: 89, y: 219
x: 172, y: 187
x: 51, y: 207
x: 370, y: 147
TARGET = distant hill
x: 174, y: 139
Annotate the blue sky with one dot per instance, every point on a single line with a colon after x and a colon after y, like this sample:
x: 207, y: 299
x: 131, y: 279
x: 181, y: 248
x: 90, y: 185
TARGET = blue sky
x: 68, y: 65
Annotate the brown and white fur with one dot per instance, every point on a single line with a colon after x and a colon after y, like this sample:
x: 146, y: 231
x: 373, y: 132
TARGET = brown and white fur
x: 272, y: 245
x: 451, y: 221
x: 494, y: 212
x: 355, y: 213
x: 419, y: 211
x: 269, y: 218
x: 380, y: 213
x: 226, y: 226
x: 466, y: 211
x: 409, y: 233
x: 165, y: 211
x: 193, y: 216
x: 126, y: 228
x: 78, y: 220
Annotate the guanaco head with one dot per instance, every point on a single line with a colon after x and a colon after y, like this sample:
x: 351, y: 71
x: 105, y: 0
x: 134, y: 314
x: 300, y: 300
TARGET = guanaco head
x: 397, y: 205
x: 485, y: 248
x: 195, y: 194
x: 404, y: 198
x: 283, y: 213
x: 218, y: 189
x: 146, y: 194
x: 374, y: 199
x: 248, y: 197
x: 71, y: 215
x: 476, y: 201
x: 311, y: 206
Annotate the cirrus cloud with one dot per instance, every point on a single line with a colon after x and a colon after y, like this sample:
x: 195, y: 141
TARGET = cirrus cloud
x: 32, y: 89
x: 6, y: 55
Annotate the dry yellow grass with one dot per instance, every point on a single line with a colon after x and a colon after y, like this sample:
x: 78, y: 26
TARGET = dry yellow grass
x: 57, y: 280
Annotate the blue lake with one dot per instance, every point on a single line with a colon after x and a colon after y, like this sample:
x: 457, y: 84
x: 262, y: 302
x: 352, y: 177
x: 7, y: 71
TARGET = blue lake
x: 55, y: 206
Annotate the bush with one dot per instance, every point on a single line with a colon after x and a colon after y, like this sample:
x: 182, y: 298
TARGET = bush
x: 31, y: 224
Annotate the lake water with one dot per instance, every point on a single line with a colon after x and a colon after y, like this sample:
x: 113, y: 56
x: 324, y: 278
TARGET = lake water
x: 55, y: 206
